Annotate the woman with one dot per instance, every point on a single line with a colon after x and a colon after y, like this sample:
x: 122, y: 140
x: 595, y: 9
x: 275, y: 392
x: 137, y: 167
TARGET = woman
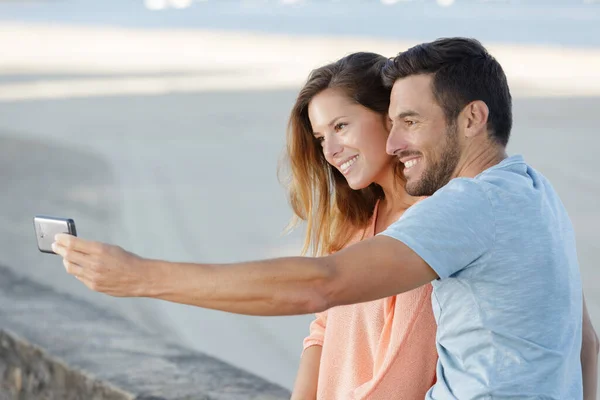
x: 345, y: 186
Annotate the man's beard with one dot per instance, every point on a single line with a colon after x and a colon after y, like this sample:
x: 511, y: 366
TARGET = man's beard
x: 439, y: 173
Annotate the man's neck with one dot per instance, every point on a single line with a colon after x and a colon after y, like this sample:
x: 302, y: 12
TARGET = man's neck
x: 475, y: 163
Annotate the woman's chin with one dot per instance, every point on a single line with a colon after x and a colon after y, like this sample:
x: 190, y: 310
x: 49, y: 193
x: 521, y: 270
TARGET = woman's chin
x: 356, y: 184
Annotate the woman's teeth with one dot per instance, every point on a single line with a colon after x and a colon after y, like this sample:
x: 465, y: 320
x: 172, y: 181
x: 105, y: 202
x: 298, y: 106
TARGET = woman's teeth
x: 345, y: 166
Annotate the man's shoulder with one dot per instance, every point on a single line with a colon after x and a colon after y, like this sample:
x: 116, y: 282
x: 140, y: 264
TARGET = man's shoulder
x: 510, y: 171
x: 460, y: 200
x: 463, y: 190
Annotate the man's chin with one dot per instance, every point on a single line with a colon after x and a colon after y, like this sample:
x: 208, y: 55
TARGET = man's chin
x: 412, y: 187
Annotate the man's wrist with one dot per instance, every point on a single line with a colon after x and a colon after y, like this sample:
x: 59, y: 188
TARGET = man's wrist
x: 153, y: 282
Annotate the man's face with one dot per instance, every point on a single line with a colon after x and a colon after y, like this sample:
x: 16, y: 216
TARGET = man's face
x: 420, y: 137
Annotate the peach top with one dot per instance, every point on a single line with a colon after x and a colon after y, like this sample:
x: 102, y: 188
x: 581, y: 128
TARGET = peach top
x: 382, y: 349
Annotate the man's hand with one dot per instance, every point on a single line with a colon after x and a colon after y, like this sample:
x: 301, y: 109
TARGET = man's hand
x: 101, y: 267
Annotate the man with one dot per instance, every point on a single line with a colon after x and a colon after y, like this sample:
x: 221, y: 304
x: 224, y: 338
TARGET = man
x: 493, y: 237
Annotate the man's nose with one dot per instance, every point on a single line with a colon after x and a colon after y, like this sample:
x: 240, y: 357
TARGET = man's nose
x: 396, y: 142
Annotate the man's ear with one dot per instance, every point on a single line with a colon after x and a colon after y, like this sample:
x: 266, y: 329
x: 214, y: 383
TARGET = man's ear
x: 474, y: 118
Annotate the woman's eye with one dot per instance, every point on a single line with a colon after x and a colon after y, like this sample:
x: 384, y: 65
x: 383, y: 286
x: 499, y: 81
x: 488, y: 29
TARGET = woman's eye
x: 339, y: 126
x: 320, y: 139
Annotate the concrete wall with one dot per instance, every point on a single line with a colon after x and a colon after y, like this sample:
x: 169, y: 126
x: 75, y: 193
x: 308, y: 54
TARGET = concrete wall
x: 54, y: 346
x: 28, y: 372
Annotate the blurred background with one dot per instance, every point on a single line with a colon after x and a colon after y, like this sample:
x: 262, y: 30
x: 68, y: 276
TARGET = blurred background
x: 158, y: 125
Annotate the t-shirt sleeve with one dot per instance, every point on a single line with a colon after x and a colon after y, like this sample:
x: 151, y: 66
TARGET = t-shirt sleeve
x: 449, y: 230
x: 317, y: 331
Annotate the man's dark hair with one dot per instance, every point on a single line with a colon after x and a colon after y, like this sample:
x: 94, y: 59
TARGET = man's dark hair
x: 463, y: 71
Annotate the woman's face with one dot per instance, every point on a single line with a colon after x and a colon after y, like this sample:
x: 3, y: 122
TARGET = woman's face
x: 353, y: 137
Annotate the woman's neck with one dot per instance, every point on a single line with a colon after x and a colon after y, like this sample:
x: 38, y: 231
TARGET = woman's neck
x: 394, y: 203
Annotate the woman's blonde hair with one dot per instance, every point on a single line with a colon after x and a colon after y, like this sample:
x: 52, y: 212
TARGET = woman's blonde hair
x: 319, y: 193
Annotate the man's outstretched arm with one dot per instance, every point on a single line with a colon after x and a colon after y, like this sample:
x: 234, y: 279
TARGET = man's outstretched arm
x: 372, y: 269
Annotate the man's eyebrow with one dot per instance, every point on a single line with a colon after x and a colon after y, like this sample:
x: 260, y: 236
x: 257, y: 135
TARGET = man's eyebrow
x: 409, y: 113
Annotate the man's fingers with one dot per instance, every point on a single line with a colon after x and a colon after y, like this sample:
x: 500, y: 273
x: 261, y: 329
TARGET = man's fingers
x: 73, y: 269
x: 71, y: 242
x: 80, y: 274
x: 81, y: 259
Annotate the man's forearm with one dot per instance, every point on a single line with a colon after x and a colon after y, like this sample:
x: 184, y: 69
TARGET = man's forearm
x: 589, y: 356
x: 589, y: 364
x: 284, y: 286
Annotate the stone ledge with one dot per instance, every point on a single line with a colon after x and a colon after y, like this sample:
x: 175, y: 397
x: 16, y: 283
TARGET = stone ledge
x: 54, y: 346
x: 28, y: 372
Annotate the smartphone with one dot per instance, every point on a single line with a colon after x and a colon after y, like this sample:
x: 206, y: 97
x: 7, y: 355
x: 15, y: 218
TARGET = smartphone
x: 47, y: 227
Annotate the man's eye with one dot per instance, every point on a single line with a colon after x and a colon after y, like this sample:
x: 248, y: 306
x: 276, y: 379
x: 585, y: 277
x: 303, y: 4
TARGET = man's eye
x: 410, y: 122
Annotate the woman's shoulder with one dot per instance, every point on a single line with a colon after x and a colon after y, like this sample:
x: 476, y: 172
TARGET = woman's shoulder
x: 365, y: 232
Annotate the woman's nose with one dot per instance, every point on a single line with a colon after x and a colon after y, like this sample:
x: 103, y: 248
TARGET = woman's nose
x: 331, y: 147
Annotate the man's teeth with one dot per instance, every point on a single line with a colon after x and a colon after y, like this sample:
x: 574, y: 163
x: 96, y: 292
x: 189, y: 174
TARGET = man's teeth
x: 348, y: 163
x: 410, y: 163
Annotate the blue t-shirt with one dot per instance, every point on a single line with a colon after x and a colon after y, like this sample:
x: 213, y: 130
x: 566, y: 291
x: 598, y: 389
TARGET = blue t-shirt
x: 508, y: 302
